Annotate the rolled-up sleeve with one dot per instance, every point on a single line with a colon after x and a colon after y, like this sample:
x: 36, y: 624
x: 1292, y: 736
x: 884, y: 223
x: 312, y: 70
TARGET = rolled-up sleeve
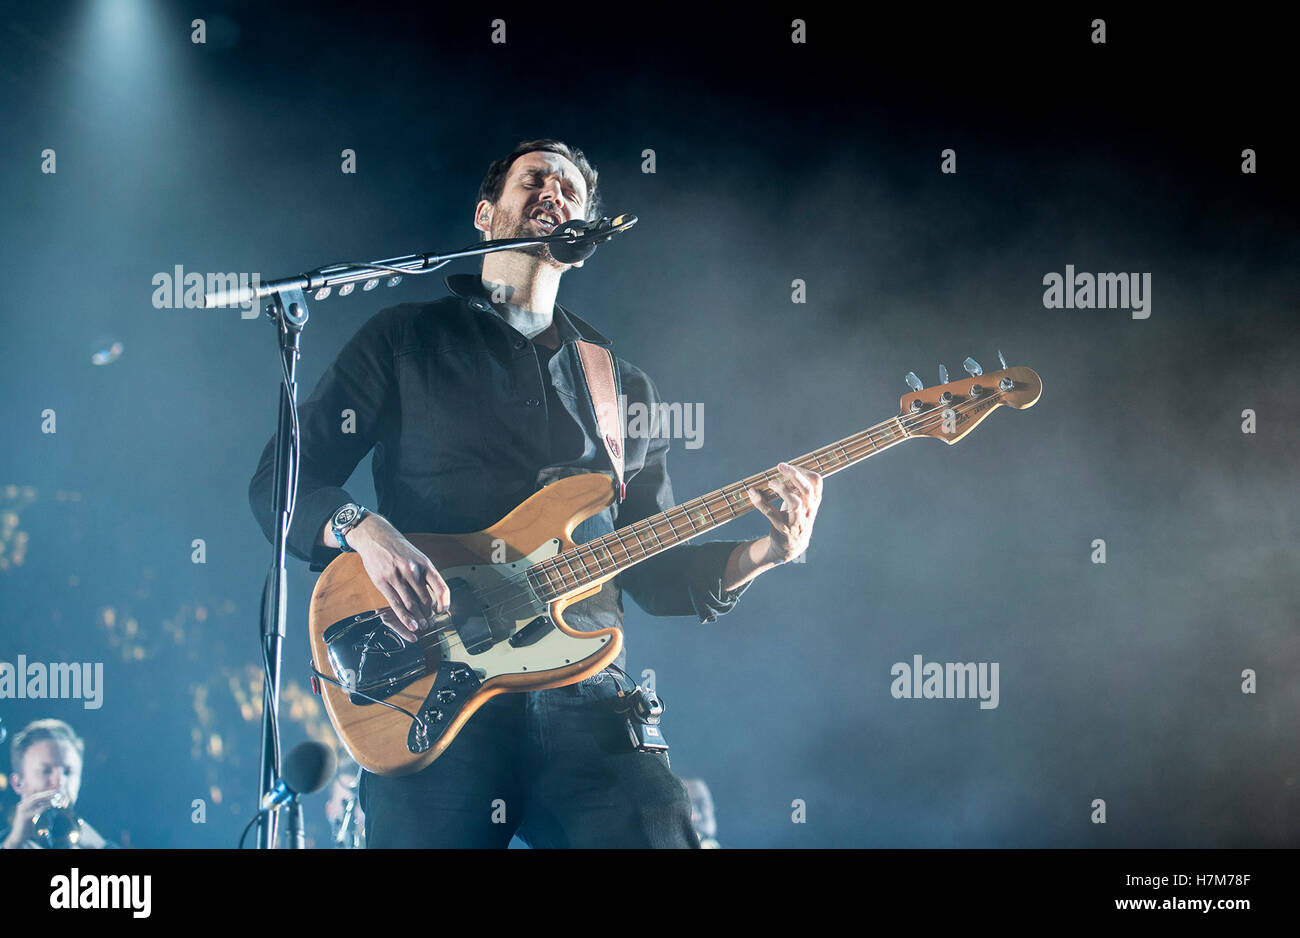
x: 686, y: 579
x: 338, y: 424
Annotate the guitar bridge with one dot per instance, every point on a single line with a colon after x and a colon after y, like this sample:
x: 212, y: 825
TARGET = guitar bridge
x: 370, y: 658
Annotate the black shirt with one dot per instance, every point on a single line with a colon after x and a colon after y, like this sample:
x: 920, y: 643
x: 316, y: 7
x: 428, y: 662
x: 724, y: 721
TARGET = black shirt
x: 467, y: 418
x: 565, y: 433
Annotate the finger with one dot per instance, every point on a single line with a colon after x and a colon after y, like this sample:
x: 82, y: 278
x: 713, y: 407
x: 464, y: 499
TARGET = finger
x: 761, y: 501
x: 413, y: 577
x: 37, y: 803
x: 806, y: 498
x: 790, y: 492
x: 437, y: 588
x: 774, y: 515
x: 814, y: 480
x: 398, y: 609
x: 798, y: 478
x: 35, y: 800
x: 405, y: 590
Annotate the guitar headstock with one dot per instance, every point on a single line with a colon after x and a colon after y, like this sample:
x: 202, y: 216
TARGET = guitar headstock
x: 951, y: 410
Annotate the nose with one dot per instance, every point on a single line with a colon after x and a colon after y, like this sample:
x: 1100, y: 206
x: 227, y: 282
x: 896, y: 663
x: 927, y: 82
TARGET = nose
x: 551, y: 193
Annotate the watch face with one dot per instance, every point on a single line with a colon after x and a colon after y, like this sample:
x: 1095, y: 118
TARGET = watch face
x: 345, y: 515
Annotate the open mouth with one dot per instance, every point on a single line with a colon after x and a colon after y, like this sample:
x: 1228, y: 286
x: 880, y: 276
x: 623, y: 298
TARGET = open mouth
x: 546, y: 221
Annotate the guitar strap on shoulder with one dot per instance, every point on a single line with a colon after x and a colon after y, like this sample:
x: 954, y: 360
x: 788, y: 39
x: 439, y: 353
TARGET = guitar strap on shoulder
x: 598, y: 368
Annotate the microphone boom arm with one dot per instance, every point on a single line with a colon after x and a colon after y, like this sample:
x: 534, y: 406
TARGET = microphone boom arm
x: 324, y: 279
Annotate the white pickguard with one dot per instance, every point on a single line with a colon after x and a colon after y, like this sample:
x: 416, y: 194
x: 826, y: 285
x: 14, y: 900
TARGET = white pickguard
x: 554, y: 650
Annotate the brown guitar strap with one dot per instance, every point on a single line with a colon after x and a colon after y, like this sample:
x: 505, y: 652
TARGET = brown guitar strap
x: 598, y: 368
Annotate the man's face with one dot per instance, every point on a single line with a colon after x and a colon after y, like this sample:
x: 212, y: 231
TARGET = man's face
x: 542, y: 191
x: 49, y: 765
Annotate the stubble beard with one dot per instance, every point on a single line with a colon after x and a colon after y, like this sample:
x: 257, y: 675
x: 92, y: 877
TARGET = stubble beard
x: 516, y: 226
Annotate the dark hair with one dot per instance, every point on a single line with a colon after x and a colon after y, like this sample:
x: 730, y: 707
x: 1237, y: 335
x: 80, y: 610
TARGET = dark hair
x: 39, y: 730
x: 495, y: 180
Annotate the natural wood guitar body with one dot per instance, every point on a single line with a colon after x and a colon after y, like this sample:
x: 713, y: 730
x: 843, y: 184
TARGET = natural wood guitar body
x: 540, y: 527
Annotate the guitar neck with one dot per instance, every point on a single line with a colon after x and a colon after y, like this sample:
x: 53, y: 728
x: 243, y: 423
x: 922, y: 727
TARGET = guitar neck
x: 597, y: 559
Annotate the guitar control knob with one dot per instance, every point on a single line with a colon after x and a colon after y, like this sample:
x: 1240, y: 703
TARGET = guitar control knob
x: 434, y: 716
x: 945, y: 397
x: 459, y: 675
x: 446, y: 695
x: 976, y: 390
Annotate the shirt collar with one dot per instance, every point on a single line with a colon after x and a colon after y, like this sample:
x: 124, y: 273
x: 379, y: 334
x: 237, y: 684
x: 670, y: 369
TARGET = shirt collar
x: 569, y: 327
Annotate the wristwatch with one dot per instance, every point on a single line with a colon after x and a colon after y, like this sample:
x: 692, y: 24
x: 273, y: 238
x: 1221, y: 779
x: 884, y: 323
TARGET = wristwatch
x: 344, y: 520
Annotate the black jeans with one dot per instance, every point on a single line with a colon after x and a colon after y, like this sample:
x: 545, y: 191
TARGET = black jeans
x: 555, y: 766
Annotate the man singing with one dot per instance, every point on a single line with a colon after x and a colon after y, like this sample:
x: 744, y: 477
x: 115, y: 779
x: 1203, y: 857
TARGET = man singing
x: 472, y: 403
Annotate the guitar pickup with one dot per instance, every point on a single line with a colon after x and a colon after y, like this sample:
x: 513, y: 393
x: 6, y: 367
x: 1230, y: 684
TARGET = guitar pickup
x: 532, y: 632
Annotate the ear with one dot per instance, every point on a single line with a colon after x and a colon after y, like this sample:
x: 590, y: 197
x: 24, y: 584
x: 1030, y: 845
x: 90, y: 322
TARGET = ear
x: 16, y: 783
x: 483, y: 216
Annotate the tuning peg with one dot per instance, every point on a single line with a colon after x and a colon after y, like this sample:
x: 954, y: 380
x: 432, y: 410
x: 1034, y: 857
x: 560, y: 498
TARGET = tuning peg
x: 1003, y: 360
x: 972, y: 367
x: 943, y: 375
x: 913, y: 381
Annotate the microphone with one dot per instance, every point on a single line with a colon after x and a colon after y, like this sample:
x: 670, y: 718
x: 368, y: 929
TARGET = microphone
x: 309, y: 767
x: 241, y: 295
x: 585, y: 235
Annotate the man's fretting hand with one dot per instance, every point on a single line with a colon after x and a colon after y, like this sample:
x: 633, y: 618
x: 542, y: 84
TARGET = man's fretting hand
x: 792, y: 525
x: 407, y: 579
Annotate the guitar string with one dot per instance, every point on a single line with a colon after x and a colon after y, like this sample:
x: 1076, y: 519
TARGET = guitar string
x: 855, y: 443
x: 858, y: 447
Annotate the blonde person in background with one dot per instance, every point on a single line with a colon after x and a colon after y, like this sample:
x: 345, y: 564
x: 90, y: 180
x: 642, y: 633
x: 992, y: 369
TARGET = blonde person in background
x: 46, y: 761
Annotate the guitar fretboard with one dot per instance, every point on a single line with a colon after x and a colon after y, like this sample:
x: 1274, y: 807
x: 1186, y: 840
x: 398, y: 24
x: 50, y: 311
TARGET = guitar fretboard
x: 597, y: 559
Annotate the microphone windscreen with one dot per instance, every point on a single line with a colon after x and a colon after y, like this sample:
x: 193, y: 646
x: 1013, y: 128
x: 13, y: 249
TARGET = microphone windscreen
x: 309, y: 767
x: 571, y: 253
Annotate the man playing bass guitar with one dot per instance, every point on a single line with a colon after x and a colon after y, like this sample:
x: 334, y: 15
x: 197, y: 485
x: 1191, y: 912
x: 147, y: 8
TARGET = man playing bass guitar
x: 471, y: 404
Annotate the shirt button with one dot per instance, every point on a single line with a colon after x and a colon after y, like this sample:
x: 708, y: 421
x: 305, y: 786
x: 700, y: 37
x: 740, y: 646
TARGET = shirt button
x: 519, y: 343
x: 532, y: 402
x: 479, y: 305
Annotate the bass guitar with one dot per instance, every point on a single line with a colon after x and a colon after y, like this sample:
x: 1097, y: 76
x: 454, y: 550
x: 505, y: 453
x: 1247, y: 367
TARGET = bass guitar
x: 398, y: 704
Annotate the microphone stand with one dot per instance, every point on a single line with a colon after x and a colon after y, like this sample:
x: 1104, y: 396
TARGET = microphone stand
x: 288, y: 311
x: 297, y: 835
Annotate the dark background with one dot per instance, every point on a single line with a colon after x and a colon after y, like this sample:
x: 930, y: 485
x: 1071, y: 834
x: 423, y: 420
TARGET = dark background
x: 774, y: 162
